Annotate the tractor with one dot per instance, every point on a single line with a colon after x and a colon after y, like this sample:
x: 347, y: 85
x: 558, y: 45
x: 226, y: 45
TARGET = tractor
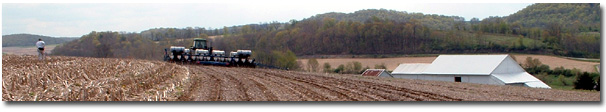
x: 201, y: 53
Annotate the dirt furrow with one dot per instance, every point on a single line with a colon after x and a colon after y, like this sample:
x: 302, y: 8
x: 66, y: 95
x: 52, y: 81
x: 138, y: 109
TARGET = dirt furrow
x: 274, y: 90
x: 243, y: 85
x: 209, y: 86
x: 410, y: 94
x: 348, y: 86
x: 261, y: 85
x: 374, y: 92
x: 342, y: 93
x: 328, y: 92
x: 415, y: 94
x: 266, y: 92
x: 215, y: 92
x: 188, y: 95
x: 204, y: 87
x: 303, y: 92
x: 382, y: 94
x: 390, y: 95
x: 232, y: 89
x: 339, y: 87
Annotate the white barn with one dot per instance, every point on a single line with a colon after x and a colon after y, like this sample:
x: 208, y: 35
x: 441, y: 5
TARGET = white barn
x: 482, y: 69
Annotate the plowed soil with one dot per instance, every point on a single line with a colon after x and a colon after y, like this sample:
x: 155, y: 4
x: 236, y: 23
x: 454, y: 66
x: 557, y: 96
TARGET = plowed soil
x: 104, y: 79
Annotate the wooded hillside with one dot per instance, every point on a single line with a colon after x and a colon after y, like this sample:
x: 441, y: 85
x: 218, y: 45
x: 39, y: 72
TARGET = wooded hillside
x: 111, y: 45
x: 30, y: 40
x: 372, y: 31
x: 433, y: 21
x: 574, y: 16
x: 392, y: 32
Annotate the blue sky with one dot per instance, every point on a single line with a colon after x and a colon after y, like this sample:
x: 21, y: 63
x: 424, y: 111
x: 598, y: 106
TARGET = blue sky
x: 77, y: 19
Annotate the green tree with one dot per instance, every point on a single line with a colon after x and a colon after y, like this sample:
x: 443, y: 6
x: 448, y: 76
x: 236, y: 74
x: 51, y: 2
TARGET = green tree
x: 353, y: 67
x: 246, y: 29
x: 327, y: 68
x: 286, y: 59
x: 349, y: 68
x: 555, y: 31
x: 532, y: 63
x: 313, y: 65
x: 543, y: 77
x: 357, y: 66
x: 340, y: 69
x: 521, y: 45
x: 226, y: 31
x: 562, y: 80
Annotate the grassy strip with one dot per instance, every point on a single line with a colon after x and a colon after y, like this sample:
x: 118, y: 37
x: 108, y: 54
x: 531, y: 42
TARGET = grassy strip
x: 583, y: 59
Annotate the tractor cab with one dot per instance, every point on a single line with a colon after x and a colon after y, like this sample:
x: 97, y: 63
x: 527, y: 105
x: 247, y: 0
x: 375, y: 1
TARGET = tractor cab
x: 199, y: 43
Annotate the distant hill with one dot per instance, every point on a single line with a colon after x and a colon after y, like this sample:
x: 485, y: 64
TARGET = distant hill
x: 433, y: 21
x: 586, y: 15
x: 30, y: 40
x: 112, y: 45
x: 562, y: 29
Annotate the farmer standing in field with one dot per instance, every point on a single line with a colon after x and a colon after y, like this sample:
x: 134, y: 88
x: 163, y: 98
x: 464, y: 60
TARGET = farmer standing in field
x: 40, y: 45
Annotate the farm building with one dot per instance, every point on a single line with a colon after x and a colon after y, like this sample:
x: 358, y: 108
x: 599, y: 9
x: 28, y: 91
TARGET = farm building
x: 482, y: 69
x: 376, y: 73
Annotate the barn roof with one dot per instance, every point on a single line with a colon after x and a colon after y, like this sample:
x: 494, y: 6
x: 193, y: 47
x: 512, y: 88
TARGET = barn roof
x: 465, y: 64
x: 410, y: 68
x: 522, y: 77
x: 515, y: 77
x: 537, y: 84
x: 373, y: 72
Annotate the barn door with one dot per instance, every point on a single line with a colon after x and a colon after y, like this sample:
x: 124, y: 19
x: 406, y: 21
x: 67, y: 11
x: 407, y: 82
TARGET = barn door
x: 457, y: 79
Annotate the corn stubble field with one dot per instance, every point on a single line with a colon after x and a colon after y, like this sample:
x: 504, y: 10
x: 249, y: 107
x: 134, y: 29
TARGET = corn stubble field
x: 105, y: 79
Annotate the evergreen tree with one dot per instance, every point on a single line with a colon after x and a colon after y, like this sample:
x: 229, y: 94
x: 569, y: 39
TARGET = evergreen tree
x: 584, y: 81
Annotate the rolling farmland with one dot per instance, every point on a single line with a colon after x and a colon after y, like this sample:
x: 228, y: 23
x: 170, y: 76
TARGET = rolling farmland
x: 106, y: 79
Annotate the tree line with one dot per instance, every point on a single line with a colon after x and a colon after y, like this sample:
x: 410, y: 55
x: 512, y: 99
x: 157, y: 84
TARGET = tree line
x: 111, y: 45
x: 376, y: 32
x: 30, y: 40
x: 372, y: 31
